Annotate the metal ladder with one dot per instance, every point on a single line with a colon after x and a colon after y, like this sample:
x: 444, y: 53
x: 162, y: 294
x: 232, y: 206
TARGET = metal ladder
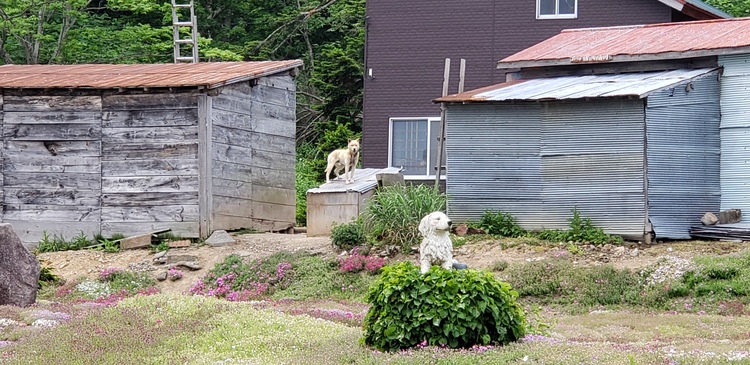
x: 193, y: 40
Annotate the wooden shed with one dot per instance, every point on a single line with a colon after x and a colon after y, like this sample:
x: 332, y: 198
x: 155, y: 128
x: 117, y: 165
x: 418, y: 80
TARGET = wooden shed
x: 135, y: 148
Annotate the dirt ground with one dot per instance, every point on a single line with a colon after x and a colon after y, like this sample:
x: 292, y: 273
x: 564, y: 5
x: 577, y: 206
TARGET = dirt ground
x: 72, y: 265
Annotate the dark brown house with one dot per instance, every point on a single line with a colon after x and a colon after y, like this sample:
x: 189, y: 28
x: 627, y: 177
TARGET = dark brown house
x: 408, y: 41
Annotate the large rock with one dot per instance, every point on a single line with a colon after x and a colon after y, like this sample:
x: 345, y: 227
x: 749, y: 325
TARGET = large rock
x: 19, y: 270
x: 220, y: 238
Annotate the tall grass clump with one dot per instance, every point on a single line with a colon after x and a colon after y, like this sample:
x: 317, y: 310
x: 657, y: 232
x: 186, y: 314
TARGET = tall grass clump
x: 581, y: 229
x: 448, y: 308
x: 393, y: 214
x: 307, y: 177
x: 501, y: 224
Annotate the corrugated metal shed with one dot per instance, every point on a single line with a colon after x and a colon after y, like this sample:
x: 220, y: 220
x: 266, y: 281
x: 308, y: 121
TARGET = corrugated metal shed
x: 735, y: 133
x: 364, y: 180
x: 637, y: 43
x: 100, y: 76
x: 576, y: 87
x: 682, y: 131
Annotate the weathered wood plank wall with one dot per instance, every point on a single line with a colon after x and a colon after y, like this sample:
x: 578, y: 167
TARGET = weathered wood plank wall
x: 51, y: 165
x: 253, y: 148
x: 150, y: 163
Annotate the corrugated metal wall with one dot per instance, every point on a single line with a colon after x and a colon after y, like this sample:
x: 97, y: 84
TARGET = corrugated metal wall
x: 592, y: 159
x: 493, y: 161
x: 683, y: 148
x: 539, y: 161
x: 735, y: 133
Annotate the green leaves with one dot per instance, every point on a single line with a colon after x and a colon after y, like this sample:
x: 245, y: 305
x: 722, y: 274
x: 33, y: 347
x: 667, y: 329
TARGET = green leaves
x: 452, y: 308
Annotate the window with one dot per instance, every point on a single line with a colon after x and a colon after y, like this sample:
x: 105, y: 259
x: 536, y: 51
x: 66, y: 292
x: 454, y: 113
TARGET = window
x: 413, y: 144
x: 556, y: 9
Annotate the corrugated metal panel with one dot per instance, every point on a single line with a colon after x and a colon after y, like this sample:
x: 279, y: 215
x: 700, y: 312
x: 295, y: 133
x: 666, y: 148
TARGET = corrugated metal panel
x: 613, y: 42
x: 735, y: 133
x: 577, y: 87
x: 683, y: 145
x: 493, y: 161
x: 364, y: 181
x: 592, y: 160
x: 99, y: 76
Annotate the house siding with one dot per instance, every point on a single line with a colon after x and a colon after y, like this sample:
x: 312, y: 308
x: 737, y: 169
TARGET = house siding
x: 407, y: 43
x: 735, y: 133
x: 683, y: 148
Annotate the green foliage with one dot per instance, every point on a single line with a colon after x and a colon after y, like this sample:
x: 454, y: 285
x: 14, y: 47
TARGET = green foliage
x: 454, y: 308
x: 737, y: 8
x: 716, y: 277
x: 499, y: 265
x: 316, y: 278
x: 502, y: 224
x: 346, y: 236
x: 129, y: 281
x: 393, y: 214
x: 59, y: 243
x: 109, y: 244
x: 309, y: 173
x: 47, y: 277
x: 581, y: 230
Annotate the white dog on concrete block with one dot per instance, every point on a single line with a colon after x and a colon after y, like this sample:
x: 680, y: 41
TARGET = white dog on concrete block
x: 344, y: 159
x: 436, y: 247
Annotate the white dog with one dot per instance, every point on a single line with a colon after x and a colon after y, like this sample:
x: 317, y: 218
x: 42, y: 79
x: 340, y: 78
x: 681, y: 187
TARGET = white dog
x: 436, y: 247
x: 346, y: 159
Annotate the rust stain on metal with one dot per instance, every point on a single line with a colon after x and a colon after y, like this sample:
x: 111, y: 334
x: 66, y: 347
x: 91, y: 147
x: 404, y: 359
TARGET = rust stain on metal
x: 653, y: 39
x: 101, y: 76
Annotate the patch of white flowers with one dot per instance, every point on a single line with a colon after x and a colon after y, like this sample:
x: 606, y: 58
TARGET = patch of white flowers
x: 93, y: 289
x: 667, y: 268
x: 44, y: 322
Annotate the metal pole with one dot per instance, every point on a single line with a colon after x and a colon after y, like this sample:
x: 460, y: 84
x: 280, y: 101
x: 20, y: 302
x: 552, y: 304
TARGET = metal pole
x: 439, y: 159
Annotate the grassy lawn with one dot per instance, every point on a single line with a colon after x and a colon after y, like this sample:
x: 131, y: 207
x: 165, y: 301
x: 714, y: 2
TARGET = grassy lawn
x: 166, y: 329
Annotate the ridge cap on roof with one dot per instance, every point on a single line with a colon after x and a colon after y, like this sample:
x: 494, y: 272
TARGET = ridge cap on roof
x: 668, y: 24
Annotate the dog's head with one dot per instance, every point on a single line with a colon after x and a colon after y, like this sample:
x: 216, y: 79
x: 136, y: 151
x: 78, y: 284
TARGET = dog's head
x: 433, y: 222
x: 353, y: 146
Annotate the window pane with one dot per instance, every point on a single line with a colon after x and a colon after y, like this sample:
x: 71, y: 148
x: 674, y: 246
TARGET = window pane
x: 567, y: 6
x: 434, y: 140
x: 546, y: 7
x: 410, y: 146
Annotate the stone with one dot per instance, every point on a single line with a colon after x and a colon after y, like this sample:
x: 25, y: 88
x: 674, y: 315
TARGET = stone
x: 618, y: 251
x: 161, y: 276
x: 634, y: 253
x: 177, y: 244
x: 192, y: 265
x: 608, y: 247
x: 459, y: 265
x: 220, y: 238
x: 19, y: 270
x: 730, y: 216
x: 461, y: 230
x: 159, y: 255
x: 709, y: 219
x: 171, y: 259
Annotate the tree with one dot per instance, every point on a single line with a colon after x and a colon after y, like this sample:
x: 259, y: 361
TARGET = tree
x: 738, y: 8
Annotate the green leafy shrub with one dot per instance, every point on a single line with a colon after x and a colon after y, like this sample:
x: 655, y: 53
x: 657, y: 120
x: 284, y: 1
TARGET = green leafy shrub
x: 581, y: 230
x: 393, y: 214
x: 502, y: 224
x: 346, y: 236
x: 59, y: 243
x: 454, y: 308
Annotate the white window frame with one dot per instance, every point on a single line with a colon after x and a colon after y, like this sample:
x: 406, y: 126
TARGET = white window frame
x: 430, y: 139
x: 557, y: 9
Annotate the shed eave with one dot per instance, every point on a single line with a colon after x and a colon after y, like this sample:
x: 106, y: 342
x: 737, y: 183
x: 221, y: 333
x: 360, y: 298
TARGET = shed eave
x: 625, y: 58
x: 256, y: 76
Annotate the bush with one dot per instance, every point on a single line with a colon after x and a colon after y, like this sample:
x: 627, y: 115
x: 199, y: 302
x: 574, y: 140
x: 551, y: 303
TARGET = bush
x: 581, y: 230
x: 454, y: 308
x: 59, y: 243
x: 499, y: 223
x: 393, y: 214
x: 346, y: 236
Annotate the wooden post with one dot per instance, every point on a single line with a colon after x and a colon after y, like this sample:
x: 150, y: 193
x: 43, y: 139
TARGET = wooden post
x: 446, y: 76
x: 441, y: 138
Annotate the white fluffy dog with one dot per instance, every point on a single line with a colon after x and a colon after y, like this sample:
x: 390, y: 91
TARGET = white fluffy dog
x: 344, y: 159
x: 436, y: 247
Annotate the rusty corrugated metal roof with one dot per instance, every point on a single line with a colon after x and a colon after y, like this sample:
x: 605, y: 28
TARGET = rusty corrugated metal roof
x: 577, y: 87
x: 637, y: 43
x: 101, y: 76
